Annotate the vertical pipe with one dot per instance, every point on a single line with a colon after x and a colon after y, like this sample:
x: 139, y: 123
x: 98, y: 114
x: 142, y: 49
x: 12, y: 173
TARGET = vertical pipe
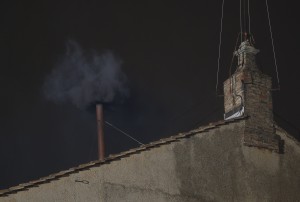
x: 100, y: 126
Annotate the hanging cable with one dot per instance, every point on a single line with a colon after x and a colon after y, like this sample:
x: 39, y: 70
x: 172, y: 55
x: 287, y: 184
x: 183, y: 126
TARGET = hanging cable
x: 251, y: 38
x: 118, y: 129
x: 275, y: 61
x: 249, y: 19
x: 245, y: 23
x: 233, y: 56
x: 241, y: 25
x: 220, y: 43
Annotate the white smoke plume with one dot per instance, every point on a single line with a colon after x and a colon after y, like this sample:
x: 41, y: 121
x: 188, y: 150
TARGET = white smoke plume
x: 84, y: 78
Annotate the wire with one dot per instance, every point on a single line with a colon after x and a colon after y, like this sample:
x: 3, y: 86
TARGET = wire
x: 235, y: 48
x: 241, y: 25
x: 273, y: 44
x: 220, y: 43
x: 249, y: 19
x: 118, y: 129
x: 245, y: 23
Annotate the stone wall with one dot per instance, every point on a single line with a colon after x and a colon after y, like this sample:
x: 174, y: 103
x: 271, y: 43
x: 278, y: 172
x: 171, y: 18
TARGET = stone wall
x: 209, y: 166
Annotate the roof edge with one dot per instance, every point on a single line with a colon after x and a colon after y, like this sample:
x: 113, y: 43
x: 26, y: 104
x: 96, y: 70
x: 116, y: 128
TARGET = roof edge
x: 113, y: 157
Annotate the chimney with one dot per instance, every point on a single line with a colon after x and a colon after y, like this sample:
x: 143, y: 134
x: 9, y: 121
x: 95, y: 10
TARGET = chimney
x: 100, y: 125
x: 248, y: 93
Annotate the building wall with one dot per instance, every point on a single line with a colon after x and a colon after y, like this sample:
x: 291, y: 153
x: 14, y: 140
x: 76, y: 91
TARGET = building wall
x: 209, y: 166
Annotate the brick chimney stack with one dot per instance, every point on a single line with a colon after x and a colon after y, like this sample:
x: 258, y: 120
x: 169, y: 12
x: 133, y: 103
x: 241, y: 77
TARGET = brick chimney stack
x: 248, y: 93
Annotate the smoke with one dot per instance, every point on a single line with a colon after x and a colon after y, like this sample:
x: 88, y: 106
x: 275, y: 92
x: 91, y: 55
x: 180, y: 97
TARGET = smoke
x: 84, y: 78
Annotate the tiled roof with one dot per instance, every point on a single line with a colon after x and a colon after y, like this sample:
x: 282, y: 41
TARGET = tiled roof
x: 114, y: 157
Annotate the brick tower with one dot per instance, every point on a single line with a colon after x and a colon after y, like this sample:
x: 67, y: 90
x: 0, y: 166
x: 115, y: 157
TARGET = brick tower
x: 248, y: 93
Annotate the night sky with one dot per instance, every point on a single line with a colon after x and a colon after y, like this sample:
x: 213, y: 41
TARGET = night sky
x: 169, y: 51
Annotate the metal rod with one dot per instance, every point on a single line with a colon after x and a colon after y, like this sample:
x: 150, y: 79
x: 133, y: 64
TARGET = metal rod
x: 100, y: 126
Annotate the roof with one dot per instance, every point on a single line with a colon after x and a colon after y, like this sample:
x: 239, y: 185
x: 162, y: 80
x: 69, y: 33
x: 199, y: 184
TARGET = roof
x: 115, y: 157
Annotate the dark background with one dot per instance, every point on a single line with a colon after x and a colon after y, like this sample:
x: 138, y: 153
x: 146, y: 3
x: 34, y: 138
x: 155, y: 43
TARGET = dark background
x: 170, y: 52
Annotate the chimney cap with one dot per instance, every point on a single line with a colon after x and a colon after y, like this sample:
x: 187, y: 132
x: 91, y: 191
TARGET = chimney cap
x: 246, y: 47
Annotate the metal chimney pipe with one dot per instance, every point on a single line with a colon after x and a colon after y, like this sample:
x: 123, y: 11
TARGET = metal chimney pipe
x: 100, y: 126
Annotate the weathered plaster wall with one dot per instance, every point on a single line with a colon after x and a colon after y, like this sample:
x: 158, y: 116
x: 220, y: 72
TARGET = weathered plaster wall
x: 220, y: 168
x: 210, y: 166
